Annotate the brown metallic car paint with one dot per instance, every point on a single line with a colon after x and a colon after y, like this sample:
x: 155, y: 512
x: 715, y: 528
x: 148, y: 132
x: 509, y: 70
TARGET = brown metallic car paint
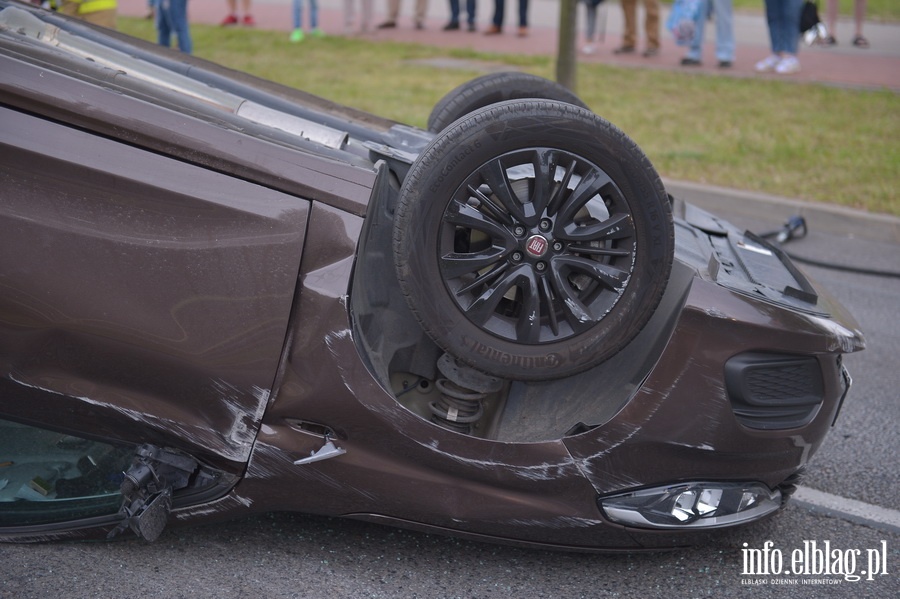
x: 156, y: 291
x: 182, y: 134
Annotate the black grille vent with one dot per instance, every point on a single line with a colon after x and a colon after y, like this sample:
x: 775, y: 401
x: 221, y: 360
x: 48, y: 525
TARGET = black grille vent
x: 773, y: 384
x: 774, y: 391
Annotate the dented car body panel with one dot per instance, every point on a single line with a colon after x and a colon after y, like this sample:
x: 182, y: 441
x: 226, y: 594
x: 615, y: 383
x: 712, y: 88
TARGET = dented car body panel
x: 199, y: 272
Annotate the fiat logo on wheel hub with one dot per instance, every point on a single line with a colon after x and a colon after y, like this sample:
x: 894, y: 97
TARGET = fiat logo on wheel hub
x: 536, y: 246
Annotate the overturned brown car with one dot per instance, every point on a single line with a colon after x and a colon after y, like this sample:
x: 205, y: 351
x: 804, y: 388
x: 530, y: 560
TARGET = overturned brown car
x: 219, y: 296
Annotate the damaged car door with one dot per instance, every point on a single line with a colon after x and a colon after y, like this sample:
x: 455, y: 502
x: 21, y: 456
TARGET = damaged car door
x: 145, y: 299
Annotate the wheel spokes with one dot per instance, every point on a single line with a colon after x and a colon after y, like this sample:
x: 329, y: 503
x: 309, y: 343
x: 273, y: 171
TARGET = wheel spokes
x: 544, y: 162
x: 590, y: 185
x: 455, y: 265
x: 547, y: 297
x: 468, y: 217
x: 523, y: 281
x: 544, y: 267
x: 483, y: 278
x: 571, y: 299
x: 561, y: 190
x: 617, y: 226
x: 528, y: 210
x: 494, y: 175
x: 609, y: 276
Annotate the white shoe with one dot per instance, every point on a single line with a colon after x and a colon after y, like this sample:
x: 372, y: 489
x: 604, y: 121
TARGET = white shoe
x: 787, y: 65
x: 768, y: 63
x: 588, y: 49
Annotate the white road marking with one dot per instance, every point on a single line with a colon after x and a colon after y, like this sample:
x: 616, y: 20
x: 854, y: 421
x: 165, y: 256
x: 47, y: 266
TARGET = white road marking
x: 848, y: 509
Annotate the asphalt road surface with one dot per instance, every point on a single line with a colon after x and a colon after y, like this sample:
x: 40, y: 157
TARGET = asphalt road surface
x: 282, y: 555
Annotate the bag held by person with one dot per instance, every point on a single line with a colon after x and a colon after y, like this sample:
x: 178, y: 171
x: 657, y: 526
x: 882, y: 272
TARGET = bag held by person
x: 683, y: 20
x: 809, y: 16
x: 811, y: 26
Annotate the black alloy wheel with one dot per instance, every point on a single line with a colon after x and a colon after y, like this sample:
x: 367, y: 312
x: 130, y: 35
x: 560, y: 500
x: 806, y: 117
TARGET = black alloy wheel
x: 533, y: 240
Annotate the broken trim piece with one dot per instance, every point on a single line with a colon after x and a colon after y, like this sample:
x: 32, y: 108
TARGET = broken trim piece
x: 327, y: 451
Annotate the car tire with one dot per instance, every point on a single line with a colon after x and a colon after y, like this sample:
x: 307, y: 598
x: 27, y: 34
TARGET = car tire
x: 532, y: 239
x: 492, y: 88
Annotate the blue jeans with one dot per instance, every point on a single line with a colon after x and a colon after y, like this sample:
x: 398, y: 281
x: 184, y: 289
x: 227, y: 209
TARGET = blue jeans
x: 499, y: 6
x: 783, y: 17
x: 470, y: 10
x: 313, y: 14
x: 724, y: 31
x: 171, y: 17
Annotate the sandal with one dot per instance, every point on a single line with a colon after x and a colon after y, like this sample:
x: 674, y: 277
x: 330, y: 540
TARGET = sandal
x: 860, y: 42
x: 828, y: 41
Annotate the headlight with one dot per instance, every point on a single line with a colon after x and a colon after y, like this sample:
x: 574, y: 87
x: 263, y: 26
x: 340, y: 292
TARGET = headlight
x: 692, y: 505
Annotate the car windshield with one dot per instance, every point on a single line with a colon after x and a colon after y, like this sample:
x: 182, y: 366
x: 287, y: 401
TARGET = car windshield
x: 48, y: 477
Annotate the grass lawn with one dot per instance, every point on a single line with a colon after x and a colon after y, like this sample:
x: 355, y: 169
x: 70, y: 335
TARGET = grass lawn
x: 809, y: 142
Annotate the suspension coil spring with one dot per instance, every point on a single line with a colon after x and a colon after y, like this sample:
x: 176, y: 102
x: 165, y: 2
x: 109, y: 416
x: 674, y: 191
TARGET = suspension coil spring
x: 462, y: 393
x: 457, y: 408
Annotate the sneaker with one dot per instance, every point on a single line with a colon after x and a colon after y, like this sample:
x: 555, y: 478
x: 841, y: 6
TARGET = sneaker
x: 523, y: 32
x: 788, y: 65
x: 624, y: 50
x: 768, y: 63
x: 588, y: 49
x: 690, y: 62
x: 452, y: 26
x: 650, y: 52
x: 387, y: 25
x: 471, y: 27
x: 493, y: 30
x: 248, y: 21
x: 297, y: 35
x: 725, y: 64
x: 317, y: 32
x: 229, y: 20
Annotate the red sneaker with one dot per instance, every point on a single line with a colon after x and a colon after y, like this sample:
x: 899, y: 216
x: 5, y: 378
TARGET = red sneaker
x: 229, y: 20
x: 248, y: 21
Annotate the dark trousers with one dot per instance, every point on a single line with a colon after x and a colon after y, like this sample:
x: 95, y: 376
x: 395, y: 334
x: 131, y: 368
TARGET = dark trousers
x: 498, y: 13
x: 470, y: 10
